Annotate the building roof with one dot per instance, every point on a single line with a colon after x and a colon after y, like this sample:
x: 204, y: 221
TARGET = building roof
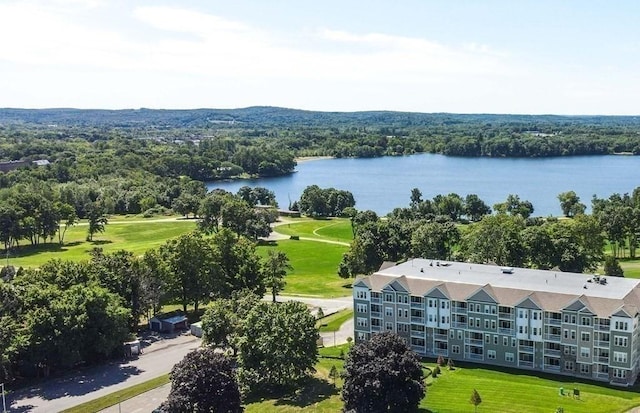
x: 551, y: 290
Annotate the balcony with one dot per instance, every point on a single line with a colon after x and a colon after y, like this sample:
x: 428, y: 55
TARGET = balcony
x: 375, y: 328
x: 459, y: 310
x: 525, y: 349
x: 601, y: 327
x: 507, y: 331
x: 549, y: 367
x: 418, y: 349
x: 417, y: 334
x: 601, y: 376
x: 526, y: 364
x: 553, y: 321
x: 441, y: 337
x: 440, y: 352
x: 417, y: 305
x: 376, y: 314
x: 601, y: 343
x: 508, y: 316
x: 602, y: 359
x: 474, y: 342
x: 457, y: 324
x: 417, y: 320
x: 550, y: 352
x: 618, y: 381
x: 472, y: 356
x: 376, y: 300
x: 552, y: 337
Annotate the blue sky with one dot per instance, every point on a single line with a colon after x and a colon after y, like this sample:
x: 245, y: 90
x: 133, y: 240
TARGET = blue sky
x: 560, y: 57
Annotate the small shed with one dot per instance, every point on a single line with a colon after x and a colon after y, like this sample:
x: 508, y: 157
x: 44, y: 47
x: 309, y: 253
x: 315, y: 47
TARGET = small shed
x: 196, y: 329
x: 169, y: 322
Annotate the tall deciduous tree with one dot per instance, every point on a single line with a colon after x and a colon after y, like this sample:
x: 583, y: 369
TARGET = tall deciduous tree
x: 382, y: 375
x: 279, y: 347
x: 275, y: 267
x: 475, y: 399
x: 570, y: 204
x: 203, y: 382
x: 97, y: 217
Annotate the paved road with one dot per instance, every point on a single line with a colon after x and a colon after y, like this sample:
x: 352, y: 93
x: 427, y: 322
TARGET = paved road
x: 142, y: 403
x: 61, y: 393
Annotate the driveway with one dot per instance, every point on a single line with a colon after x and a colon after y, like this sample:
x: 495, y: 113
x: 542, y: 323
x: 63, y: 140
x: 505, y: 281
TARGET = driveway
x: 61, y: 393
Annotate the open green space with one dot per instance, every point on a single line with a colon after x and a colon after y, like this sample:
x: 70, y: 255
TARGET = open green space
x: 334, y: 321
x: 315, y: 268
x: 114, y: 398
x: 521, y: 391
x: 136, y: 236
x: 332, y: 229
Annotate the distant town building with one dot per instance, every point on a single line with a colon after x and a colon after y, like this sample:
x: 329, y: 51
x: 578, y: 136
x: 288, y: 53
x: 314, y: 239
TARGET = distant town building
x: 551, y: 321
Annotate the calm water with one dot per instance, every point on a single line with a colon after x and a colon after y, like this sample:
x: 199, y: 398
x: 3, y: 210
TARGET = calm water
x: 382, y: 184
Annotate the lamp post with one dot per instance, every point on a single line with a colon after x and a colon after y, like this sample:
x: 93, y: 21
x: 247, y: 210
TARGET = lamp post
x: 4, y: 401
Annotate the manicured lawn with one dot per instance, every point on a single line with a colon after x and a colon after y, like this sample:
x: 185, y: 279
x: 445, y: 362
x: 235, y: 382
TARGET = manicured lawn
x: 114, y: 398
x: 135, y: 236
x: 519, y: 392
x: 334, y: 321
x: 315, y: 268
x: 333, y: 229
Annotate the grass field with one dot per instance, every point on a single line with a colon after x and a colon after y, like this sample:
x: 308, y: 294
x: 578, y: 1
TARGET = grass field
x: 136, y: 236
x: 334, y: 229
x: 334, y: 321
x: 114, y: 398
x: 315, y: 268
x: 512, y: 391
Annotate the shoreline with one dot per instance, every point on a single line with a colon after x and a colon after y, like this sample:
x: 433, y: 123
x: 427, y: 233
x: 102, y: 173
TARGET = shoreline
x: 302, y: 159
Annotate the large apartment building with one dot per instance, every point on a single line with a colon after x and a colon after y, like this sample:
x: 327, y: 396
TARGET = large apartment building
x: 564, y: 323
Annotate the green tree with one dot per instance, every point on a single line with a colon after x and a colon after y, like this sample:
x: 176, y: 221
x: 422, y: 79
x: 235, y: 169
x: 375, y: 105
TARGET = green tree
x: 275, y: 267
x: 434, y: 240
x: 612, y: 267
x: 382, y: 375
x: 96, y: 215
x: 495, y: 239
x: 570, y: 204
x: 195, y: 275
x: 475, y: 208
x: 475, y: 399
x: 68, y: 216
x: 279, y: 347
x: 203, y: 382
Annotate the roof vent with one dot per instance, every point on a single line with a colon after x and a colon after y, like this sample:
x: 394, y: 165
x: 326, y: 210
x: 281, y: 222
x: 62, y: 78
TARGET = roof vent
x: 507, y: 270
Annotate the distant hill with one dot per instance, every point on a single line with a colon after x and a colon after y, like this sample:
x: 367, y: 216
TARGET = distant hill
x: 266, y: 116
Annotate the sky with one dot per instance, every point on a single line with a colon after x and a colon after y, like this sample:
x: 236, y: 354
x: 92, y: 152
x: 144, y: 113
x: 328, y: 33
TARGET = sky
x: 571, y: 57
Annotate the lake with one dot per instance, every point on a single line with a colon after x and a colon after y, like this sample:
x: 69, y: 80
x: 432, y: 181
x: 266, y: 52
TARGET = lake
x: 382, y: 184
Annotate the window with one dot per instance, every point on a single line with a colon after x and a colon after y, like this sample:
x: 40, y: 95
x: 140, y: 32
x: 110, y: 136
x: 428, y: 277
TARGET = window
x: 477, y: 323
x: 361, y: 308
x: 486, y: 324
x: 493, y: 324
x: 493, y: 309
x: 520, y: 330
x: 534, y: 331
x: 619, y: 357
x: 568, y: 365
x: 361, y: 336
x: 487, y: 338
x: 388, y: 326
x: 567, y: 349
x: 486, y: 309
x: 585, y: 368
x: 388, y: 297
x: 388, y: 311
x: 535, y: 315
x: 513, y: 342
x: 566, y: 333
x: 361, y: 295
x: 620, y: 341
x: 470, y: 321
x: 362, y: 322
x: 431, y: 318
x: 520, y: 314
x: 452, y: 334
x: 573, y: 334
x: 585, y: 352
x: 585, y: 337
x: 585, y: 321
x: 430, y: 301
x: 405, y: 299
x: 508, y: 357
x: 459, y: 334
x: 491, y: 354
x: 622, y: 325
x: 399, y: 312
x: 406, y: 313
x: 495, y: 340
x: 455, y: 349
x: 619, y: 373
x: 505, y: 341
